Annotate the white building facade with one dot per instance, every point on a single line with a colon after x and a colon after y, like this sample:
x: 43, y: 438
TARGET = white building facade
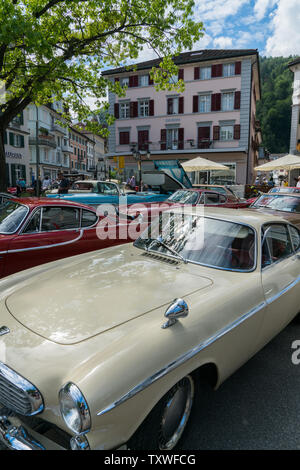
x: 17, y: 150
x: 50, y: 139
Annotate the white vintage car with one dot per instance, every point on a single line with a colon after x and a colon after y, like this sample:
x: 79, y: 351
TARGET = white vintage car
x: 109, y: 347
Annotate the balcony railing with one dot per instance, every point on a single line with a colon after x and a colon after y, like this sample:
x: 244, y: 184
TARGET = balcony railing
x: 43, y: 139
x: 57, y: 128
x: 66, y: 148
x: 190, y: 144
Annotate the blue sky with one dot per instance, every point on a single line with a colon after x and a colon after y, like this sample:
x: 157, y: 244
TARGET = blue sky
x: 271, y: 26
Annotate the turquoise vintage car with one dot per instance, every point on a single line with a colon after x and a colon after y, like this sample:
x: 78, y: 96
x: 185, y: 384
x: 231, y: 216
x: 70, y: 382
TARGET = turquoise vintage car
x: 93, y: 193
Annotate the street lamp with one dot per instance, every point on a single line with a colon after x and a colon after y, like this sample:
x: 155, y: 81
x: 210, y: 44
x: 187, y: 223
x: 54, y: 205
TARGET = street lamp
x: 137, y: 155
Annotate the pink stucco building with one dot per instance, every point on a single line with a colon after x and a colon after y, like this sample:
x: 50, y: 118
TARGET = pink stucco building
x: 213, y: 118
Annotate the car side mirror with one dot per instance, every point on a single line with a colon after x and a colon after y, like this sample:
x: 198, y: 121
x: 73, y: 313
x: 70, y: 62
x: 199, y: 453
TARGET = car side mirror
x: 178, y: 309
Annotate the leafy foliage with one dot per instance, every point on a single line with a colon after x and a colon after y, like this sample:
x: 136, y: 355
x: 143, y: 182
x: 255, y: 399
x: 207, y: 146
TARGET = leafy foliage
x: 54, y: 50
x: 274, y: 109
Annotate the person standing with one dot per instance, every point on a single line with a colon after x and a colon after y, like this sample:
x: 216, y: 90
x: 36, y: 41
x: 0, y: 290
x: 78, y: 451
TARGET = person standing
x: 298, y: 183
x: 46, y: 183
x: 64, y: 184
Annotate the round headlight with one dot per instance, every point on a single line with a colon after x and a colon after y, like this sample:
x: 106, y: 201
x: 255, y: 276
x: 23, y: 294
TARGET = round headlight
x: 74, y: 409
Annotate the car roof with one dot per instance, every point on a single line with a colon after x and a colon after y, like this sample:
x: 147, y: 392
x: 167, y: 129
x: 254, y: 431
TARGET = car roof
x: 246, y: 216
x: 45, y: 201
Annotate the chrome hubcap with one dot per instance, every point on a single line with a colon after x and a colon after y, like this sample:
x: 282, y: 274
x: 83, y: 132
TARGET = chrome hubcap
x: 176, y: 413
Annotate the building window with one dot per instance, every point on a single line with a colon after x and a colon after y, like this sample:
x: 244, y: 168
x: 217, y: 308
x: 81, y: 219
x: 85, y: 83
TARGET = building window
x: 173, y: 78
x: 124, y: 110
x: 228, y: 70
x: 173, y: 106
x: 204, y: 103
x: 125, y: 81
x: 144, y: 80
x: 226, y: 133
x: 205, y: 73
x: 172, y: 139
x: 144, y: 108
x: 124, y: 138
x: 228, y: 101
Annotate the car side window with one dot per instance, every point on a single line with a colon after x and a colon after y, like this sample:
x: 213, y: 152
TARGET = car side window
x: 33, y: 225
x: 108, y: 188
x: 295, y: 235
x: 88, y: 218
x: 60, y: 218
x: 212, y: 198
x: 277, y: 244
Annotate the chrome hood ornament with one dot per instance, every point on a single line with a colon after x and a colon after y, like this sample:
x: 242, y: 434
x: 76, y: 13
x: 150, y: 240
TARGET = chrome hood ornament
x: 4, y: 330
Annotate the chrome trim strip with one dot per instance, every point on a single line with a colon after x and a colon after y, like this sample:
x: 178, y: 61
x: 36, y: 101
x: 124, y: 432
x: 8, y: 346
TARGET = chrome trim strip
x: 182, y: 359
x: 21, y: 250
x: 283, y: 291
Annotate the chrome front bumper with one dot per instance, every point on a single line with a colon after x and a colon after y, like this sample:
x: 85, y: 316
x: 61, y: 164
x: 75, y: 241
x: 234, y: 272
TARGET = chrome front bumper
x: 14, y: 436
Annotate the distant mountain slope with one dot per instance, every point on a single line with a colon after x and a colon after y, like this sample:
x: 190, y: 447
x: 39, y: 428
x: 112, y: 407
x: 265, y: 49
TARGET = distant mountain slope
x: 274, y: 109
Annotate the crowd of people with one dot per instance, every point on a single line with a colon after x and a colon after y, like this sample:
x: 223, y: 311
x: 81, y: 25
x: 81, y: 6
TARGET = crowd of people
x: 39, y: 186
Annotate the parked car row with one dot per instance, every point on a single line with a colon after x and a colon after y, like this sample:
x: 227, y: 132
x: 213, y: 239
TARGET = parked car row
x: 112, y: 346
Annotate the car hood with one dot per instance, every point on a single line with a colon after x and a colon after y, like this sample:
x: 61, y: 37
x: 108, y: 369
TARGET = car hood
x: 90, y: 294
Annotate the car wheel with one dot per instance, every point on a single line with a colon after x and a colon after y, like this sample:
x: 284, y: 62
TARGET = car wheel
x: 164, y: 426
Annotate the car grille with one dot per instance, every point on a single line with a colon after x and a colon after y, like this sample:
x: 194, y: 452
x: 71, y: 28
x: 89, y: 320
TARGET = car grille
x: 17, y: 394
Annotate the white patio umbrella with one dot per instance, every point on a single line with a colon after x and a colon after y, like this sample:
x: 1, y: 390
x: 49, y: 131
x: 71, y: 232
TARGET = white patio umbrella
x: 202, y: 164
x: 288, y: 162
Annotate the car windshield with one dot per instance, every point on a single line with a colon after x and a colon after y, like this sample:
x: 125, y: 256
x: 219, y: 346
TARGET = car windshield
x: 279, y: 202
x: 184, y: 197
x: 12, y: 215
x: 202, y: 240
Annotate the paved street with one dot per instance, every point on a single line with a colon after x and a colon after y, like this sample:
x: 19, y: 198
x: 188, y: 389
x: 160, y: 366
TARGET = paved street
x: 257, y: 408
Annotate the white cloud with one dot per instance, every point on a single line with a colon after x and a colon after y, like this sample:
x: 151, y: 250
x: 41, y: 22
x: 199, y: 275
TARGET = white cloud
x: 217, y: 9
x: 261, y: 7
x: 285, y: 30
x: 223, y: 42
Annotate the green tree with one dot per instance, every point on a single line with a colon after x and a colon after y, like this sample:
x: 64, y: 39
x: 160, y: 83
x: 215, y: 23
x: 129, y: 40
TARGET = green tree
x: 55, y: 49
x: 274, y: 109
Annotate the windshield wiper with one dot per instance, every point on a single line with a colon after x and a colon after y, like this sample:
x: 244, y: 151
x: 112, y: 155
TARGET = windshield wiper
x: 160, y: 241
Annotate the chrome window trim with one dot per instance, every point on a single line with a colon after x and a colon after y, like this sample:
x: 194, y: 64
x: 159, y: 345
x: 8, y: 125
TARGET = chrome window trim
x: 89, y: 226
x: 275, y: 263
x: 20, y: 225
x: 289, y: 229
x: 34, y: 395
x: 193, y: 352
x: 32, y: 214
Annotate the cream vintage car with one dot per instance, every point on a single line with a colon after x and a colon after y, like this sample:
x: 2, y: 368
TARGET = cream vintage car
x: 109, y: 348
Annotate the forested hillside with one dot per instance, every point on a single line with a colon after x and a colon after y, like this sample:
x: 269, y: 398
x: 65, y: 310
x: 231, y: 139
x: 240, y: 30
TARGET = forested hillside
x: 274, y: 109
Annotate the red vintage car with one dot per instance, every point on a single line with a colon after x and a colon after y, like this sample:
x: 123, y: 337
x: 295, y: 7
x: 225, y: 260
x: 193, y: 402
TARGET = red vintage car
x: 189, y: 197
x: 35, y: 231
